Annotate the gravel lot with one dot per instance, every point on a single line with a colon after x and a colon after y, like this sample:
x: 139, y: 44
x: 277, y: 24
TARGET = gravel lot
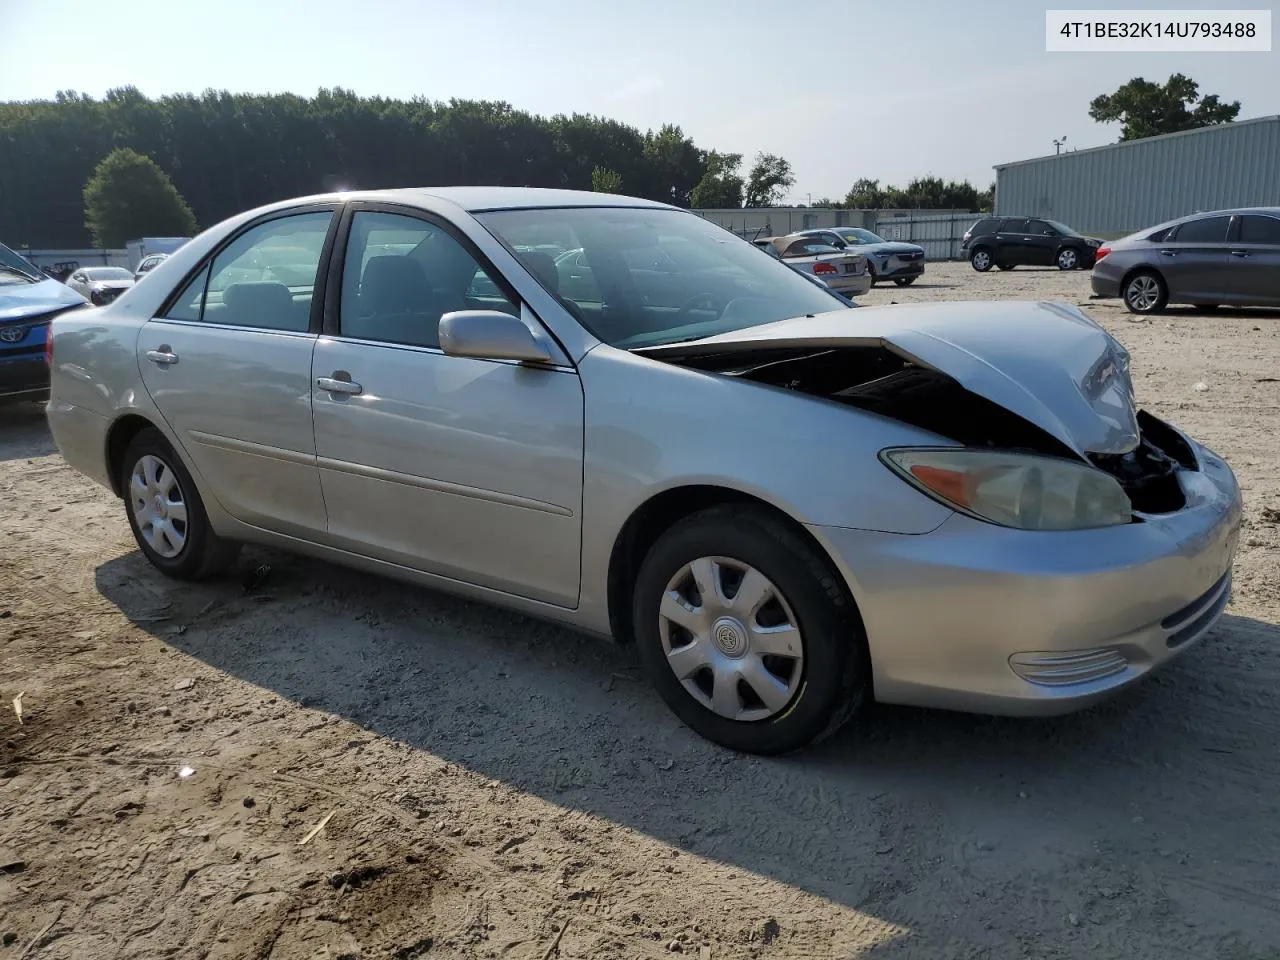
x: 496, y: 787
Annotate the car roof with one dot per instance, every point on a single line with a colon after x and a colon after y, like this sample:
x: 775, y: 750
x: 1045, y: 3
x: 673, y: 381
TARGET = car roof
x: 477, y: 199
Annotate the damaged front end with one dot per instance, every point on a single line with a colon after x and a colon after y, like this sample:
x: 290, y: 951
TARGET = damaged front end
x: 879, y: 379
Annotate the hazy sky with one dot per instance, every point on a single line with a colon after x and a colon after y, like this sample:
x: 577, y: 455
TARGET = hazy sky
x: 843, y: 89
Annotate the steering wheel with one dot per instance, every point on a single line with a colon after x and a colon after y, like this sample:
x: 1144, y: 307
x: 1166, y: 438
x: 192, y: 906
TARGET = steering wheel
x: 717, y: 303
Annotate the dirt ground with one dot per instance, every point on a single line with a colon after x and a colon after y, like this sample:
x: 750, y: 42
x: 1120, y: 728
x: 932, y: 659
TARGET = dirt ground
x: 491, y: 786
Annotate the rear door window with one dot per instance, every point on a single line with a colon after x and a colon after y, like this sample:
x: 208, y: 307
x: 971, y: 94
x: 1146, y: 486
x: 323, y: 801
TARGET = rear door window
x: 1208, y: 230
x: 1014, y: 226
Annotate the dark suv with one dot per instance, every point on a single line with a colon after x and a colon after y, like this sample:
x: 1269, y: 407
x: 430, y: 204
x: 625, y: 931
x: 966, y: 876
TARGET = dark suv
x: 1008, y: 242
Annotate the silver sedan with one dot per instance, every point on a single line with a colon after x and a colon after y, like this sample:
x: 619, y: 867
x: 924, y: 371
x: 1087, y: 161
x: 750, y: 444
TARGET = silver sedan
x: 788, y: 505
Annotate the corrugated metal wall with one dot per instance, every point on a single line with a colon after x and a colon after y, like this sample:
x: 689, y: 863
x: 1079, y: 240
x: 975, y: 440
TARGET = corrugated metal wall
x: 939, y: 233
x: 1114, y: 190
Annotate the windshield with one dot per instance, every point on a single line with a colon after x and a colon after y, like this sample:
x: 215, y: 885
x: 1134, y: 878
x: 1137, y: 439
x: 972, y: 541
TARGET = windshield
x: 107, y: 273
x: 1062, y: 228
x: 13, y: 269
x: 643, y: 277
x: 858, y: 235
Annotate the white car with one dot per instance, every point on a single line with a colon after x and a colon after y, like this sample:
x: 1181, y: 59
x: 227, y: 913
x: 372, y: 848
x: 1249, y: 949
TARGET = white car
x: 845, y: 273
x: 100, y: 285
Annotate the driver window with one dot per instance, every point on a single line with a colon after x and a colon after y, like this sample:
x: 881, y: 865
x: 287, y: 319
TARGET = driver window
x: 402, y: 274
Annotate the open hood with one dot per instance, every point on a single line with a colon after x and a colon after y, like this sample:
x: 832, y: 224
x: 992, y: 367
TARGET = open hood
x: 21, y: 300
x: 1047, y: 363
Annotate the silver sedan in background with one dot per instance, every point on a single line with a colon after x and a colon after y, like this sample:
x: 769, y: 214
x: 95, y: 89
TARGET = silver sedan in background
x: 1222, y: 258
x: 844, y: 272
x: 789, y: 506
x: 100, y: 285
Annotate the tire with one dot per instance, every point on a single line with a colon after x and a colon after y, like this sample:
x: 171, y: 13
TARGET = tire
x: 1144, y: 293
x: 185, y: 549
x: 905, y: 281
x: 871, y: 272
x: 811, y: 697
x: 1068, y: 259
x: 980, y: 260
x: 1005, y: 266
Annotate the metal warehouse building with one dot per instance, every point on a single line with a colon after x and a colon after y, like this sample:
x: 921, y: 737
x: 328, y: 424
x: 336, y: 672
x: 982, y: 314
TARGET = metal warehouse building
x: 1123, y: 187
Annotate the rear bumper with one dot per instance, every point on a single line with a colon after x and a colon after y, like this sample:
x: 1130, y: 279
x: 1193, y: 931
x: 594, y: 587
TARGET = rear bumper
x: 81, y: 438
x: 985, y: 619
x: 1104, y: 284
x: 850, y: 286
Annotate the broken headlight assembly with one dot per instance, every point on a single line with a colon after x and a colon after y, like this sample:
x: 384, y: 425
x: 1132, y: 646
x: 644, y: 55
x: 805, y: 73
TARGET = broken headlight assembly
x: 1023, y: 491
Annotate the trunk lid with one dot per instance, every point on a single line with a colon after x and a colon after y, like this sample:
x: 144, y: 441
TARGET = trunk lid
x: 1049, y: 363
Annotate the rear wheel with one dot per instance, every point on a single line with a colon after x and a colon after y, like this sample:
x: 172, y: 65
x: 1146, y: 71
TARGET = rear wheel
x: 1145, y: 292
x: 980, y: 260
x: 1068, y: 258
x: 1005, y: 266
x: 904, y: 281
x: 747, y: 633
x: 166, y: 514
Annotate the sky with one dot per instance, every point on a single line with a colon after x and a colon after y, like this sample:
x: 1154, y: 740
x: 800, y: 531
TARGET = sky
x: 843, y: 89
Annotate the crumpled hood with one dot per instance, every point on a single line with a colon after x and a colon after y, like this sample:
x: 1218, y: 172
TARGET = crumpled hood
x: 21, y: 300
x: 1047, y: 362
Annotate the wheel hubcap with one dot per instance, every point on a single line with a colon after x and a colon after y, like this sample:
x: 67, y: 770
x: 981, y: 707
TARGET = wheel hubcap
x: 981, y: 261
x: 1068, y: 259
x: 159, y: 507
x: 1143, y: 293
x: 731, y: 638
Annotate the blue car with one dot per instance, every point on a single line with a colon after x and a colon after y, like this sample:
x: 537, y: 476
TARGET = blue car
x: 29, y: 300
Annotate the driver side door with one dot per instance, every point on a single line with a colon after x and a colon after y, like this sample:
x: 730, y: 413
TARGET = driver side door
x: 463, y: 468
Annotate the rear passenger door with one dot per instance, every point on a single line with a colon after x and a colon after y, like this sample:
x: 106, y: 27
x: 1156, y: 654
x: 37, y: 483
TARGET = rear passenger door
x: 1253, y: 271
x: 228, y: 363
x: 1194, y: 260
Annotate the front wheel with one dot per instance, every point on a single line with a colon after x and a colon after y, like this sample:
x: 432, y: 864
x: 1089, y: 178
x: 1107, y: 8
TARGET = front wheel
x: 1145, y: 293
x: 166, y: 514
x: 747, y: 633
x: 1068, y: 258
x: 1005, y: 266
x: 905, y: 281
x: 980, y: 260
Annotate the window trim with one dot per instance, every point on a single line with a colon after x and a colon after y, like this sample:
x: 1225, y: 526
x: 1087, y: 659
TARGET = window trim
x: 1232, y: 228
x: 1238, y: 236
x: 322, y: 267
x: 330, y: 325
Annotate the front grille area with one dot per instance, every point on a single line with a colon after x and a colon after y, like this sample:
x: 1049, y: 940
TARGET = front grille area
x: 1063, y: 669
x: 910, y: 257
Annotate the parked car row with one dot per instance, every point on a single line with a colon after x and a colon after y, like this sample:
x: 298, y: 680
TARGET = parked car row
x: 29, y: 300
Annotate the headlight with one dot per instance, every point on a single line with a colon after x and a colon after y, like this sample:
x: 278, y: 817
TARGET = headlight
x: 1014, y: 489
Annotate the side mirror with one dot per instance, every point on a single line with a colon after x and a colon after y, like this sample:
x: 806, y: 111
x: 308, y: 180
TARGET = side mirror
x: 490, y: 335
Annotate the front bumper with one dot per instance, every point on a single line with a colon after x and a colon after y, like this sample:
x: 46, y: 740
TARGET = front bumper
x: 895, y: 269
x: 24, y: 376
x: 958, y: 617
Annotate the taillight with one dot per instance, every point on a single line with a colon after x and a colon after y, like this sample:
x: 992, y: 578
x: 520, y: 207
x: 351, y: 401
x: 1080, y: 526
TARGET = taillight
x: 821, y: 268
x: 48, y: 346
x: 1102, y: 252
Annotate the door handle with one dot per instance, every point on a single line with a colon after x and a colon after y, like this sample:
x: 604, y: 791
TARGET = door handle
x: 334, y: 385
x: 1168, y: 253
x: 162, y: 357
x: 1241, y: 253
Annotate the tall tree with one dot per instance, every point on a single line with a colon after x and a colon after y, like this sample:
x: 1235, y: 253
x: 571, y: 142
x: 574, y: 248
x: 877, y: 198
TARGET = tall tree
x: 1146, y: 109
x: 721, y: 185
x: 768, y: 181
x: 128, y: 197
x: 865, y: 195
x: 606, y: 181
